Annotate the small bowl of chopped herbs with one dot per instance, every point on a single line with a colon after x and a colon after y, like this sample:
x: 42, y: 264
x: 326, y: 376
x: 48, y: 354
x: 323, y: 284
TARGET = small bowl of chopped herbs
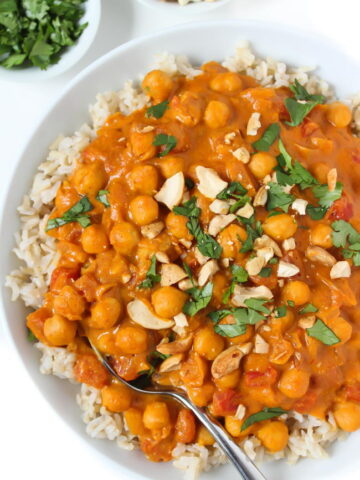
x: 40, y: 39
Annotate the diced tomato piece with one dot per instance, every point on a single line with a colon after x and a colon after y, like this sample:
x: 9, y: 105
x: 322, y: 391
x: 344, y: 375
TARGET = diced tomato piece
x: 341, y: 209
x: 308, y: 127
x: 352, y: 392
x: 306, y: 403
x: 89, y: 370
x: 271, y: 281
x: 225, y: 402
x: 155, y: 450
x: 185, y: 426
x: 63, y: 276
x: 254, y: 378
x: 126, y: 368
x: 35, y: 322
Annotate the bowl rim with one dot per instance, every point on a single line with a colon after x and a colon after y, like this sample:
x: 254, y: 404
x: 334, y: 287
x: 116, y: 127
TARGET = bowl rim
x: 69, y: 58
x: 193, y: 8
x: 4, y: 291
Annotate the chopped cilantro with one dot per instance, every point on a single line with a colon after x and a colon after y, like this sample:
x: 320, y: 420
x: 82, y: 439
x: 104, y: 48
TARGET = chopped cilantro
x: 151, y: 276
x: 200, y: 298
x: 158, y: 110
x: 291, y: 303
x: 31, y: 337
x: 102, y: 197
x: 344, y: 232
x: 264, y: 414
x: 323, y: 333
x: 325, y: 196
x: 316, y: 213
x: 280, y: 311
x: 239, y: 275
x: 77, y: 213
x: 168, y: 141
x: 188, y: 209
x: 309, y: 308
x: 265, y: 272
x: 268, y: 138
x: 189, y: 183
x: 302, y: 104
x: 277, y: 198
x: 233, y: 190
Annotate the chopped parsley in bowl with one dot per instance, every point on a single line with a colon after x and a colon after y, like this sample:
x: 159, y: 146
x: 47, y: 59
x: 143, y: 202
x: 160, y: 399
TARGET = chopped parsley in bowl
x: 42, y: 38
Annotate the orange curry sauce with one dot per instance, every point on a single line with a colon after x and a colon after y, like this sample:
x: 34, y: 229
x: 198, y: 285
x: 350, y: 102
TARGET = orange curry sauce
x: 100, y: 267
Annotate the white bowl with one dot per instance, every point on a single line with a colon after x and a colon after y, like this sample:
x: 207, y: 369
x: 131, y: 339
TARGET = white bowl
x: 69, y: 58
x: 190, y: 9
x: 202, y: 41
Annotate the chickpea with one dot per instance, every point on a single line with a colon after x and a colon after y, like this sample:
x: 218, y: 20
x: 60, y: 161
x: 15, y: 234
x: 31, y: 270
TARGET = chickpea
x: 157, y: 85
x: 59, y: 331
x: 69, y: 303
x: 168, y: 301
x: 105, y: 313
x: 231, y: 239
x: 283, y: 323
x: 170, y: 165
x: 233, y: 425
x: 156, y: 416
x: 227, y: 82
x: 204, y: 437
x: 274, y: 436
x: 207, y: 343
x: 144, y: 179
x: 347, y: 416
x: 341, y: 327
x: 320, y: 235
x: 261, y: 164
x: 111, y: 267
x: 231, y: 380
x: 201, y: 396
x: 185, y: 427
x: 133, y: 418
x: 142, y: 144
x: 144, y: 210
x: 176, y: 226
x: 89, y: 179
x: 94, y: 239
x: 124, y: 237
x: 187, y: 108
x: 338, y: 115
x: 116, y: 398
x: 131, y: 340
x: 280, y: 227
x: 239, y: 339
x: 320, y: 171
x: 217, y: 114
x: 294, y: 382
x: 297, y: 292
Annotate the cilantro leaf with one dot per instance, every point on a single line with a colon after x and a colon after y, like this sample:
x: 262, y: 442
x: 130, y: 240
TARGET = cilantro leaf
x: 151, y: 276
x: 158, y: 110
x: 323, y: 333
x: 302, y: 177
x: 257, y: 304
x: 168, y: 141
x: 188, y: 209
x: 189, y: 273
x: 75, y: 214
x: 285, y: 158
x: 233, y: 190
x: 344, y: 232
x: 298, y: 174
x: 200, y: 299
x: 301, y: 93
x: 264, y: 414
x: 326, y: 197
x: 280, y: 311
x: 309, y: 308
x: 265, y: 272
x: 189, y: 183
x: 268, y: 138
x: 277, y: 198
x: 102, y: 197
x: 31, y: 337
x: 239, y: 275
x: 316, y: 213
x: 302, y: 104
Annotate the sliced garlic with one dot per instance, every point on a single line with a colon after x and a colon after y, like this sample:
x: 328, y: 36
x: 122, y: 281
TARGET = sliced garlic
x: 171, y: 274
x: 219, y: 222
x: 207, y: 271
x: 286, y: 269
x: 340, y: 270
x: 141, y: 314
x: 210, y: 184
x: 172, y: 191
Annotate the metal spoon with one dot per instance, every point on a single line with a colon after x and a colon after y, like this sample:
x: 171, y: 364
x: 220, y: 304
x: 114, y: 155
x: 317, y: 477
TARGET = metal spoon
x: 240, y: 460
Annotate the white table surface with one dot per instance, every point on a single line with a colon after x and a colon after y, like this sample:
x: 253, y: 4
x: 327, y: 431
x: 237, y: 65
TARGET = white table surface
x: 34, y: 444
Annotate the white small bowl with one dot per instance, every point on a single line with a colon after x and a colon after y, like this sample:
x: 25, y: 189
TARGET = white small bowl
x: 189, y: 9
x: 69, y: 58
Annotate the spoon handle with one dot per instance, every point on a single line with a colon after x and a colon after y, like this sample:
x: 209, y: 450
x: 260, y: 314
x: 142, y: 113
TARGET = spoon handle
x: 241, y: 461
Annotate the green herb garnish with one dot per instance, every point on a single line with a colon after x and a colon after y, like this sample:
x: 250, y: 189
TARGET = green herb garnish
x: 189, y: 183
x: 239, y: 275
x: 102, y: 197
x: 151, y: 276
x: 280, y: 311
x: 316, y: 213
x: 233, y: 190
x: 344, y: 233
x: 309, y: 308
x: 37, y: 32
x: 291, y: 303
x: 277, y: 198
x: 268, y: 138
x: 323, y: 333
x: 200, y: 298
x: 77, y: 213
x: 155, y: 358
x: 31, y: 337
x: 265, y: 272
x: 302, y: 104
x: 157, y: 111
x: 325, y: 196
x: 168, y: 141
x: 264, y: 414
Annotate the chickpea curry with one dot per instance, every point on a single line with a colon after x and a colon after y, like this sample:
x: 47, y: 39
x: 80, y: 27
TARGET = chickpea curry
x: 211, y: 242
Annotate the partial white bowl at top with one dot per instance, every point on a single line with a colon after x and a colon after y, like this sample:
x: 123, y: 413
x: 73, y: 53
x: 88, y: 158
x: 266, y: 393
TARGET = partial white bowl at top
x: 71, y: 55
x: 192, y: 8
x: 202, y: 42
